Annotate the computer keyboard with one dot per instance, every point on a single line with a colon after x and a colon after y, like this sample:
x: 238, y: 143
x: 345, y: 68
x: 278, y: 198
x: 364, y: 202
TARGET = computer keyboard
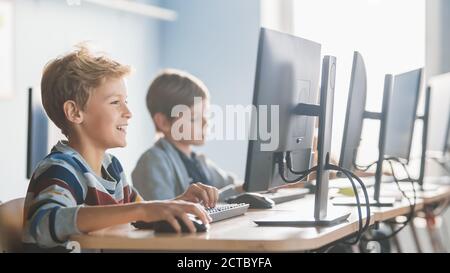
x: 225, y: 211
x: 285, y: 195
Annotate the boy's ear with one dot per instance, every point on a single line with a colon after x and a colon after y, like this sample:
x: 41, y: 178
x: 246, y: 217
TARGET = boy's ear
x: 162, y: 122
x: 72, y: 112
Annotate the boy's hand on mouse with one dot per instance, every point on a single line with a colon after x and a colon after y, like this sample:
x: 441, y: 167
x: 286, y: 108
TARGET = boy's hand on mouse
x: 170, y: 211
x: 198, y: 192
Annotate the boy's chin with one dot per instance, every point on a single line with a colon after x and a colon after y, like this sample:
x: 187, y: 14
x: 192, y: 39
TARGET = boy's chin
x: 118, y: 145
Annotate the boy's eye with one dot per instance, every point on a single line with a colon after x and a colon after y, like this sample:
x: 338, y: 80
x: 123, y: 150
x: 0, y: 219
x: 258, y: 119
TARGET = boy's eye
x: 115, y: 102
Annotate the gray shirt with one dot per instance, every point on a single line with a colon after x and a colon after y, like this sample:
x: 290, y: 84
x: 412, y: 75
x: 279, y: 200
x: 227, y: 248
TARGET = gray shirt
x: 160, y: 173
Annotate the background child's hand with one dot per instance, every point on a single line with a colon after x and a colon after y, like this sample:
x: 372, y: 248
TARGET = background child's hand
x: 171, y: 210
x: 198, y: 192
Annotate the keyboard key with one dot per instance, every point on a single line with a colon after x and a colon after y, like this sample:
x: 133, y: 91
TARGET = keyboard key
x: 225, y: 211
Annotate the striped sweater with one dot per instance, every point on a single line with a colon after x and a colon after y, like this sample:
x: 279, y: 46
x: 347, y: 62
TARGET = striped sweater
x: 61, y: 184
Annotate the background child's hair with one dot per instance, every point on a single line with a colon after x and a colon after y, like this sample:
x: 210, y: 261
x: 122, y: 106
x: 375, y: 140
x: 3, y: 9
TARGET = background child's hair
x: 173, y: 87
x: 72, y: 77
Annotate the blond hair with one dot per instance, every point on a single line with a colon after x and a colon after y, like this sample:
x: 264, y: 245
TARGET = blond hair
x: 73, y: 77
x: 173, y: 87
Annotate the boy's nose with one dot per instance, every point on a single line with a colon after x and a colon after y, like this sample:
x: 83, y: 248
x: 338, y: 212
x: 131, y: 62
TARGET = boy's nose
x: 127, y: 112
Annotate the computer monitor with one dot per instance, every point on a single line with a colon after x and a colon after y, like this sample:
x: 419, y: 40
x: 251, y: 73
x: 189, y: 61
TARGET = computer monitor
x: 287, y: 76
x: 438, y: 119
x: 436, y: 124
x: 287, y: 73
x: 37, y: 134
x: 446, y: 150
x: 354, y: 117
x: 403, y: 106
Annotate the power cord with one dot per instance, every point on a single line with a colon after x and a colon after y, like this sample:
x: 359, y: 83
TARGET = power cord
x: 441, y: 164
x: 350, y: 176
x: 362, y: 167
x: 288, y: 159
x: 411, y: 204
x: 281, y: 160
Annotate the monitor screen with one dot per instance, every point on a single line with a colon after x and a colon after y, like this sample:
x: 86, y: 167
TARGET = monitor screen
x: 287, y: 73
x: 438, y: 118
x: 403, y: 114
x: 447, y: 142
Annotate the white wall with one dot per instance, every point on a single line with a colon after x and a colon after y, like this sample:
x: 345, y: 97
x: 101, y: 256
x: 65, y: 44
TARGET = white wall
x: 217, y: 41
x: 438, y: 37
x: 389, y: 34
x: 46, y: 28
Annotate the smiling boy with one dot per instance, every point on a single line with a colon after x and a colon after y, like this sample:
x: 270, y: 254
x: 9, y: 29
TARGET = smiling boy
x: 79, y: 187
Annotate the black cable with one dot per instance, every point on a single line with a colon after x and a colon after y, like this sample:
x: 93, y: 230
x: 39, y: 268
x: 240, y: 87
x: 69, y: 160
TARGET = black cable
x: 441, y: 209
x: 412, y: 205
x: 366, y: 196
x: 364, y: 168
x: 396, y: 180
x: 360, y: 220
x: 409, y: 178
x: 349, y: 175
x: 289, y: 165
x: 442, y: 164
x: 412, y: 185
x: 280, y: 160
x: 297, y: 179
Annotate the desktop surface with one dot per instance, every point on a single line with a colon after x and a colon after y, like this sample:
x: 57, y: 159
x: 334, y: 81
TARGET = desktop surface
x: 234, y: 234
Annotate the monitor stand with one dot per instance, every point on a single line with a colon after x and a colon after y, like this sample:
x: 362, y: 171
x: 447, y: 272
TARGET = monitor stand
x: 350, y: 202
x: 321, y: 215
x: 294, y: 219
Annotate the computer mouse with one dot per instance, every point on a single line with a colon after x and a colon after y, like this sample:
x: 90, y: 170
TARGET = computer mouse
x: 165, y: 227
x: 255, y: 200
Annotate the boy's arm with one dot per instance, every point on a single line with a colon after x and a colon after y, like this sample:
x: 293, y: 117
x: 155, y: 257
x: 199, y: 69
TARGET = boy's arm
x: 52, y: 202
x: 98, y: 217
x: 154, y: 179
x: 200, y: 193
x: 52, y: 211
x: 51, y: 222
